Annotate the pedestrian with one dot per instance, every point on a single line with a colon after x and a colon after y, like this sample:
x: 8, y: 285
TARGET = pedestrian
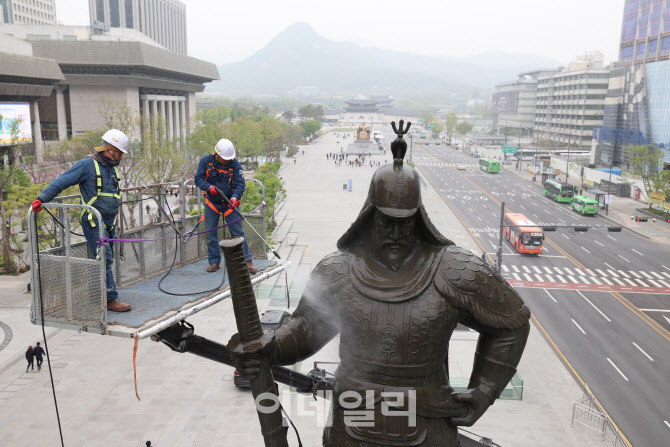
x: 221, y: 170
x: 147, y: 209
x: 100, y: 186
x: 30, y: 356
x: 148, y: 444
x: 39, y: 352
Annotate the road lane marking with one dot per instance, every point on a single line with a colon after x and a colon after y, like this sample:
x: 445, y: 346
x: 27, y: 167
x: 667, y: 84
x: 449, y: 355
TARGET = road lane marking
x: 642, y: 282
x: 606, y: 281
x: 611, y: 238
x: 516, y: 276
x: 654, y: 283
x: 560, y: 278
x: 599, y: 243
x: 615, y: 367
x: 667, y: 268
x: 551, y: 279
x: 578, y: 326
x: 564, y: 235
x: 635, y: 274
x: 550, y: 296
x: 537, y: 270
x: 572, y: 279
x: 637, y: 252
x: 594, y: 306
x: 504, y: 267
x: 590, y: 272
x: 665, y: 283
x: 584, y: 280
x: 558, y: 270
x: 646, y: 275
x: 539, y: 278
x: 547, y: 269
x: 666, y: 274
x: 648, y: 356
x: 619, y: 256
x: 609, y: 266
x: 567, y: 270
x: 667, y: 423
x: 479, y: 218
x: 616, y: 280
x: 630, y: 282
x: 516, y: 269
x: 656, y: 275
x: 611, y: 272
x: 601, y: 272
x: 623, y: 273
x: 528, y: 278
x: 586, y: 250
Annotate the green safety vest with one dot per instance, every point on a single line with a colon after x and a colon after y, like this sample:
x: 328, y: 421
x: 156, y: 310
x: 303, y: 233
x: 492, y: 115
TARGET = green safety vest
x: 98, y: 187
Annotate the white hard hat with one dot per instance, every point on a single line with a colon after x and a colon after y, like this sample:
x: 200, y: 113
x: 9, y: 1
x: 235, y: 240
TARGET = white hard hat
x: 225, y: 149
x: 117, y: 139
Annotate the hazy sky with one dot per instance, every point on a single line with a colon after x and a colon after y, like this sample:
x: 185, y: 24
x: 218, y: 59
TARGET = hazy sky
x: 222, y: 31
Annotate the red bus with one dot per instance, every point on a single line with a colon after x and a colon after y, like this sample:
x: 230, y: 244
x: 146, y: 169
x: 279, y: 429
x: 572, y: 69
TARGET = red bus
x: 524, y: 239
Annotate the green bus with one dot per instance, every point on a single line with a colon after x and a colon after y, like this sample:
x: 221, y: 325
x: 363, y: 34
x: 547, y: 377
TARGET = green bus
x: 559, y: 191
x: 585, y: 205
x: 422, y: 134
x: 488, y: 165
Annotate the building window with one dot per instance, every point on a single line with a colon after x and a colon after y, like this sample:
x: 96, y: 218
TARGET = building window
x: 129, y: 13
x: 640, y: 51
x: 100, y: 10
x: 627, y: 53
x: 115, y: 20
x: 665, y: 48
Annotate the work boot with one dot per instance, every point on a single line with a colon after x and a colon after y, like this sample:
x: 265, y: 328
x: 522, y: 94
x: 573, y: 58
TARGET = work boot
x: 117, y: 306
x: 212, y: 268
x: 252, y: 270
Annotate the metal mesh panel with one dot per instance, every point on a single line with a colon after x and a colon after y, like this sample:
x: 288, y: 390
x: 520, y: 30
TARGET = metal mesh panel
x: 74, y: 298
x: 255, y: 243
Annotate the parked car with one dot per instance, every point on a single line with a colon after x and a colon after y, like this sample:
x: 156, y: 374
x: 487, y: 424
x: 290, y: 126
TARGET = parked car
x: 270, y: 320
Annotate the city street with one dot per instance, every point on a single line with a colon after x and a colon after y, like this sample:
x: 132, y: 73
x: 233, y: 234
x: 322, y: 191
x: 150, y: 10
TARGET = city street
x: 600, y: 296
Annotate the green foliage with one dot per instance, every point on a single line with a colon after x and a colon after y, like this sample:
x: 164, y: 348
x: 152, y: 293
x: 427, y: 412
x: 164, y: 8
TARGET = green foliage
x: 451, y: 122
x: 310, y: 127
x: 464, y: 128
x: 311, y: 112
x: 268, y: 174
x: 646, y: 163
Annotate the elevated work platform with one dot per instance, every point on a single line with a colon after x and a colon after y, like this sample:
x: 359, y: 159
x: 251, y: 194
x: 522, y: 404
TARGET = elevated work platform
x: 69, y: 282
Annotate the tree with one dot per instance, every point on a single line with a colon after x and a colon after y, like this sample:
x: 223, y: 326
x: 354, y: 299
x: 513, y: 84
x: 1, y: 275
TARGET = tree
x: 464, y: 128
x: 288, y: 115
x: 645, y: 163
x: 437, y: 129
x: 451, y: 122
x: 310, y: 127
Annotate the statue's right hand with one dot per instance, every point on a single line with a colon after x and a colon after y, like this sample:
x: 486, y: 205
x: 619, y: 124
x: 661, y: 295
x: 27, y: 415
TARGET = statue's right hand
x: 247, y: 365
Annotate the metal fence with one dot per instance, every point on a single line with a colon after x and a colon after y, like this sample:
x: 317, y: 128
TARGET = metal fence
x: 587, y: 412
x: 73, y: 280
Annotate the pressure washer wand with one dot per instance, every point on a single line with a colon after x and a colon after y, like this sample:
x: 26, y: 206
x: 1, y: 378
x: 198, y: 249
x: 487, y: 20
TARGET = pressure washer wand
x: 227, y: 200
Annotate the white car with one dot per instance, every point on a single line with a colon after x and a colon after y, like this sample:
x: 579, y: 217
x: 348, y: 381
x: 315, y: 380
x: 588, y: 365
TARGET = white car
x: 460, y: 167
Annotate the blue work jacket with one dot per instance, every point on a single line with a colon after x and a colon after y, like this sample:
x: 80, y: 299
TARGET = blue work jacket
x: 82, y: 173
x: 229, y: 178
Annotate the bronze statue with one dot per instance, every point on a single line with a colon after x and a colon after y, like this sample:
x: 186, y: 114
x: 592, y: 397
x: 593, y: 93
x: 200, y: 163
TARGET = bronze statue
x: 394, y: 291
x: 363, y: 133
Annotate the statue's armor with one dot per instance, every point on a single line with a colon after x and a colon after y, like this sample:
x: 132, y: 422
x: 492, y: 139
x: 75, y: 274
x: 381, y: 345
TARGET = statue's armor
x: 394, y: 335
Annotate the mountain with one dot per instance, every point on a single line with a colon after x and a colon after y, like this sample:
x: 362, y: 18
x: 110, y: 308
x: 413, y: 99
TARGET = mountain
x: 298, y: 56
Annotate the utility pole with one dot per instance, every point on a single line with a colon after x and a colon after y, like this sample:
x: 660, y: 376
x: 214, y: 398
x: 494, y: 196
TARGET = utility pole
x: 500, y: 239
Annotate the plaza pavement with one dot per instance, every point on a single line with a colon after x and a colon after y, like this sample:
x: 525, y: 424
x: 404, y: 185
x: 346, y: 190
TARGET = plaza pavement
x: 189, y: 401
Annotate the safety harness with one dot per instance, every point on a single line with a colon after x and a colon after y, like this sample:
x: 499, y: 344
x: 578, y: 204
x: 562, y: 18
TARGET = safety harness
x: 230, y: 173
x: 98, y: 187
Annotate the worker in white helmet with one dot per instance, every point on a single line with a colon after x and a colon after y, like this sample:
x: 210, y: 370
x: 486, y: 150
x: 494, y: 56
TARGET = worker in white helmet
x: 100, y: 186
x: 221, y: 170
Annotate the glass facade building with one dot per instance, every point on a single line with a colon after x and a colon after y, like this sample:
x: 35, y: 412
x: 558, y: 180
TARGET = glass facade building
x: 637, y: 105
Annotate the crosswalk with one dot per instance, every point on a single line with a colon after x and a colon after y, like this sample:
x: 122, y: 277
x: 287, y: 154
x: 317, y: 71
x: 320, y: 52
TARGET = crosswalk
x: 453, y: 165
x: 574, y: 275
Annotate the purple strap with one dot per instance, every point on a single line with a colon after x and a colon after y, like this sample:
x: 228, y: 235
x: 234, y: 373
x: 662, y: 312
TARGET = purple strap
x: 103, y: 240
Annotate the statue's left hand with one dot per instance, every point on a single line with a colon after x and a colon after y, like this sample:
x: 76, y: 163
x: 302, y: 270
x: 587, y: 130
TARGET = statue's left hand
x: 476, y: 402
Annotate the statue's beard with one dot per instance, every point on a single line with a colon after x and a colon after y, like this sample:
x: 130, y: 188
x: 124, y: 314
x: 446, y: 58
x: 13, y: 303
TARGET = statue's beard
x: 393, y: 254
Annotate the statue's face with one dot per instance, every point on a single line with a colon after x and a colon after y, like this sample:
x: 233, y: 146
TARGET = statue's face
x: 394, y: 239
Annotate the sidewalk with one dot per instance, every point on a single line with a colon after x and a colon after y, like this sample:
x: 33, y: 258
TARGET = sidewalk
x: 620, y: 211
x: 190, y: 401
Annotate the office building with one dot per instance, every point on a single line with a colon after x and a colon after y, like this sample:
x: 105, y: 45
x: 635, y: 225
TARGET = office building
x: 513, y: 104
x: 570, y: 103
x: 162, y: 20
x: 32, y: 12
x: 637, y: 106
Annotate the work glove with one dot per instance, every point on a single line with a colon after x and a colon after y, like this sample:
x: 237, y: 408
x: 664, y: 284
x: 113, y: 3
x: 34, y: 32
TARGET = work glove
x: 476, y: 402
x: 234, y: 202
x: 36, y: 206
x: 212, y: 190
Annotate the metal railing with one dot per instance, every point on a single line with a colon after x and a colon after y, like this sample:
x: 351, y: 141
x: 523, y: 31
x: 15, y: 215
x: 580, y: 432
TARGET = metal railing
x: 587, y: 412
x: 73, y: 282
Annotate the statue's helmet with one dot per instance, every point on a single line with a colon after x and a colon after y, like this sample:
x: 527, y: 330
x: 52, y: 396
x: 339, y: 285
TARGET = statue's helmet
x: 395, y: 190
